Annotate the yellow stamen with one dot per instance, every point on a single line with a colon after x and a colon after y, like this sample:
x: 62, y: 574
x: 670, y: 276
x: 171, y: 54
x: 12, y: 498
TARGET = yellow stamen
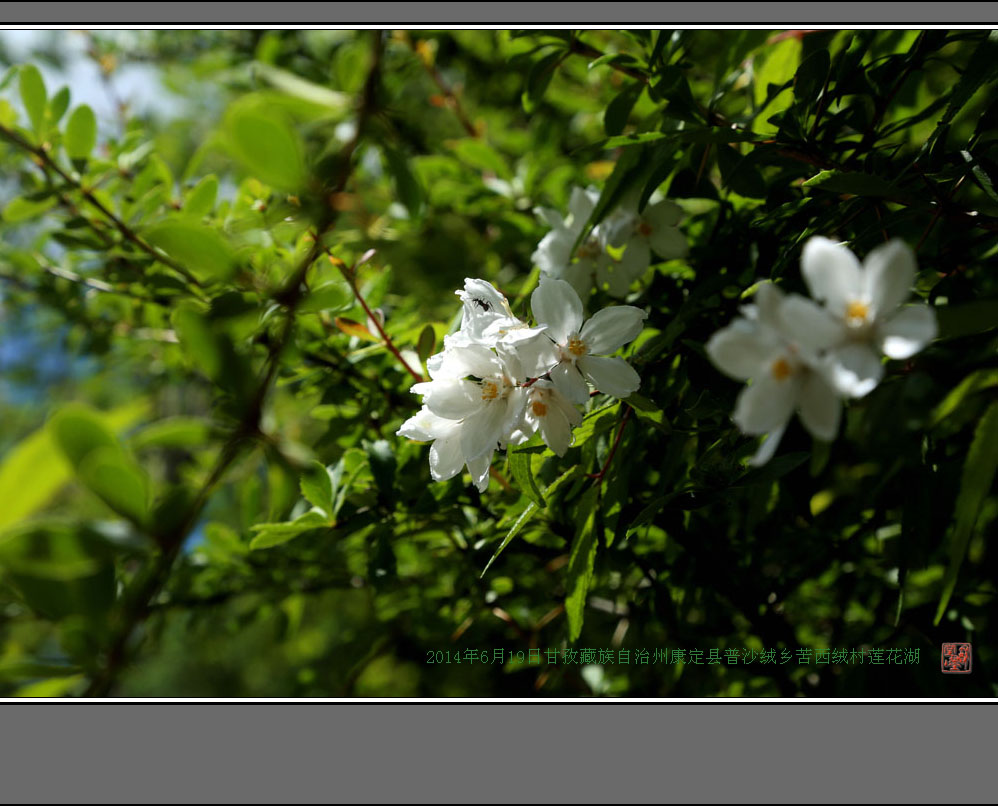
x: 490, y: 391
x: 781, y: 369
x: 539, y: 408
x: 577, y: 347
x: 857, y: 312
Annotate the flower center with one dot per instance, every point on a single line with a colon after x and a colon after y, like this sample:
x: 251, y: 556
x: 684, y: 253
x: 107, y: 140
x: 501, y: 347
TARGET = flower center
x: 490, y: 390
x: 589, y: 249
x: 857, y: 313
x: 781, y: 369
x: 577, y: 347
x: 539, y: 408
x: 644, y: 228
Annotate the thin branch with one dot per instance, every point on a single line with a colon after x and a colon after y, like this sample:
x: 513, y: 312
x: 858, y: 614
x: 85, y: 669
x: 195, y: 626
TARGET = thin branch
x: 45, y: 160
x: 350, y: 275
x: 450, y: 98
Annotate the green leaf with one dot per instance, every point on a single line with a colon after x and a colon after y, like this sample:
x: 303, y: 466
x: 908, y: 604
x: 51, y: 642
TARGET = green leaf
x: 382, y: 567
x: 194, y: 246
x: 332, y: 296
x: 852, y: 182
x: 982, y: 68
x: 58, y: 105
x: 266, y: 143
x: 810, y: 77
x: 117, y: 481
x: 383, y: 466
x: 59, y: 570
x: 30, y: 474
x: 481, y: 155
x: 197, y: 339
x: 200, y: 199
x: 172, y: 432
x: 974, y: 382
x: 740, y: 173
x: 317, y: 487
x: 967, y: 318
x: 274, y: 534
x: 407, y: 187
x: 619, y: 109
x: 79, y: 431
x: 636, y: 139
x: 33, y: 95
x: 81, y: 133
x: 538, y: 78
x: 519, y: 462
x: 581, y: 562
x: 426, y: 342
x: 21, y: 209
x: 978, y: 477
x: 521, y: 521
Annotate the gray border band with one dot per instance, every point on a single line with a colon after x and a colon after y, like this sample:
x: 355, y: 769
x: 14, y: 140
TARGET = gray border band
x: 601, y: 14
x: 532, y: 753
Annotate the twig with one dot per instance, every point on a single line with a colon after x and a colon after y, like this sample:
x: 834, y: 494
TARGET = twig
x: 598, y: 477
x: 450, y: 98
x: 350, y: 275
x: 44, y: 159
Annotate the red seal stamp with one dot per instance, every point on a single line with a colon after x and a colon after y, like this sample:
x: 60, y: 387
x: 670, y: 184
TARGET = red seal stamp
x: 956, y: 658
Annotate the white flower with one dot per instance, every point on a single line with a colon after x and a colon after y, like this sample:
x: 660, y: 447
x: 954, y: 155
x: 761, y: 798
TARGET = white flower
x: 640, y: 233
x: 551, y: 413
x: 581, y: 349
x: 554, y: 254
x: 761, y: 348
x: 862, y: 315
x: 487, y: 410
x: 446, y: 458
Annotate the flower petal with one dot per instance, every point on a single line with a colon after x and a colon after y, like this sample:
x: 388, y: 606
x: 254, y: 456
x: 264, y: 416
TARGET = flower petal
x: 611, y: 376
x: 569, y: 382
x: 581, y: 205
x: 479, y: 470
x: 908, y: 331
x: 766, y: 310
x: 634, y: 261
x: 819, y: 407
x: 425, y: 426
x: 662, y: 215
x: 832, y: 273
x: 855, y: 369
x: 555, y: 430
x: 460, y: 362
x: 610, y: 329
x: 768, y: 447
x: 742, y: 349
x: 668, y: 243
x: 446, y: 459
x: 812, y: 328
x: 890, y: 273
x: 537, y: 356
x: 766, y: 404
x: 554, y: 303
x: 452, y: 399
x: 481, y: 432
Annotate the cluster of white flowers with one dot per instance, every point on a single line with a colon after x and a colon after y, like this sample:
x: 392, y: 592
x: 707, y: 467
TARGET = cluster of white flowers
x: 804, y: 357
x: 639, y: 234
x: 499, y: 380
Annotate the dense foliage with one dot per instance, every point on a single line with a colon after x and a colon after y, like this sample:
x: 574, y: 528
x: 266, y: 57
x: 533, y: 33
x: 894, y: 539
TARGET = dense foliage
x: 212, y: 319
